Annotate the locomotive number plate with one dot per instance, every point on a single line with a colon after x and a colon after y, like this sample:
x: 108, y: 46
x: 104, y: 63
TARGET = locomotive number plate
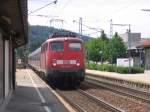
x: 60, y: 62
x: 66, y: 61
x: 72, y: 61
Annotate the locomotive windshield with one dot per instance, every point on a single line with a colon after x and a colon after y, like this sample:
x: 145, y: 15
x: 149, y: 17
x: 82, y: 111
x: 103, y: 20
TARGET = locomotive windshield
x: 57, y: 46
x: 75, y: 46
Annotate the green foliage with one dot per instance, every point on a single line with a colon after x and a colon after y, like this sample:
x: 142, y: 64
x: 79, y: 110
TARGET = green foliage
x: 107, y: 67
x: 101, y: 49
x: 97, y: 48
x: 137, y: 70
x: 104, y: 49
x: 103, y: 36
x: 124, y: 70
x: 37, y: 35
x: 114, y: 68
x: 117, y: 48
x: 21, y: 53
x: 92, y: 49
x: 104, y: 46
x: 91, y: 66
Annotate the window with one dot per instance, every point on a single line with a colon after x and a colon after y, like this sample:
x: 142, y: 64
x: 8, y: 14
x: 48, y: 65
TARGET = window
x: 75, y: 46
x: 57, y: 46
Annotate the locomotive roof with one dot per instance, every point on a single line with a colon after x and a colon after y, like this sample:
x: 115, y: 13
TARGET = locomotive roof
x: 64, y: 39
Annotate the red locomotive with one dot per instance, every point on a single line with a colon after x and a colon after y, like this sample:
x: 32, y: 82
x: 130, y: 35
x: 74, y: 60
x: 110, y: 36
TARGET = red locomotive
x: 60, y: 58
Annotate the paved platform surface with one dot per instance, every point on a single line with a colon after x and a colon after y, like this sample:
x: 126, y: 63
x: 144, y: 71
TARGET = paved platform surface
x: 140, y: 78
x: 32, y: 95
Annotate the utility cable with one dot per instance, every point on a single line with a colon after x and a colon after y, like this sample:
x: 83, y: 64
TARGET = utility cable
x: 42, y: 7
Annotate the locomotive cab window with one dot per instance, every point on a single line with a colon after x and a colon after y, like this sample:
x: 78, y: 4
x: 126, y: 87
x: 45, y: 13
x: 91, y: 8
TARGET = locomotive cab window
x: 75, y: 46
x: 57, y: 46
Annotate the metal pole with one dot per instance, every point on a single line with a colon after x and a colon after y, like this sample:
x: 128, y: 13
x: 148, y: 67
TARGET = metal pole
x: 80, y: 26
x: 140, y: 57
x: 111, y: 34
x: 102, y: 58
x: 129, y: 42
x: 111, y: 29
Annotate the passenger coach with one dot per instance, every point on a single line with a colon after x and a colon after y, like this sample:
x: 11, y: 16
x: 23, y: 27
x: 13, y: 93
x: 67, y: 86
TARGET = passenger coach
x: 60, y: 58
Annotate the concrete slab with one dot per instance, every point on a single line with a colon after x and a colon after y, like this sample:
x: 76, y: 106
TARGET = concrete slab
x: 32, y: 95
x: 140, y: 78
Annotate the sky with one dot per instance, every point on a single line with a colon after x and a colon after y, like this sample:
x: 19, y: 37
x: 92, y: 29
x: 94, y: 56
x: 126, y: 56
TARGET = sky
x: 95, y: 13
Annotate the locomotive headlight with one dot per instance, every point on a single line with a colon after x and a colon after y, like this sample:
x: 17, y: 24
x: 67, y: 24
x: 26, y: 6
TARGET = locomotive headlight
x: 78, y: 63
x: 54, y: 62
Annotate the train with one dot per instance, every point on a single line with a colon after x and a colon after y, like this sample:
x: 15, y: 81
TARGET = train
x: 60, y: 59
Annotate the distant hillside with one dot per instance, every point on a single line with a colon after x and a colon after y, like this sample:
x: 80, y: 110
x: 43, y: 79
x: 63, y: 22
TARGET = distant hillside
x: 38, y: 34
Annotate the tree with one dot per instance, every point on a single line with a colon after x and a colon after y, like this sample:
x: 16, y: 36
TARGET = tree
x: 105, y: 50
x: 117, y: 48
x: 92, y: 50
x: 104, y: 46
x: 97, y: 49
x: 103, y: 36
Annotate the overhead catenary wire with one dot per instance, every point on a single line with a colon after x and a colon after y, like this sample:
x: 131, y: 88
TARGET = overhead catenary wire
x: 92, y: 33
x: 92, y: 28
x: 117, y: 11
x: 42, y: 7
x: 65, y: 5
x: 145, y: 9
x: 46, y: 16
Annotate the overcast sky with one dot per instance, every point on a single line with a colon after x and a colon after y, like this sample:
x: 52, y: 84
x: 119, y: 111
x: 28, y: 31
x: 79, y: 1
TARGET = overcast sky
x: 95, y: 13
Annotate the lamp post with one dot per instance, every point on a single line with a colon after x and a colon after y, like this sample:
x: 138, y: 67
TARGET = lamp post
x: 129, y: 42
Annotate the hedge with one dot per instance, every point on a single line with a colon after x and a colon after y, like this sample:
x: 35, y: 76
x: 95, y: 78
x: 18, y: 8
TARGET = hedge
x: 114, y: 68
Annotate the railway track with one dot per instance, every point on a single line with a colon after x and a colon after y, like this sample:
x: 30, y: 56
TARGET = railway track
x: 101, y: 102
x: 139, y: 95
x: 91, y: 98
x: 76, y: 106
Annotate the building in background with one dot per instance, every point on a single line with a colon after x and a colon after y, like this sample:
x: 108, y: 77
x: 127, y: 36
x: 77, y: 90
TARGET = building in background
x: 145, y: 46
x: 138, y: 48
x: 131, y: 41
x: 13, y: 33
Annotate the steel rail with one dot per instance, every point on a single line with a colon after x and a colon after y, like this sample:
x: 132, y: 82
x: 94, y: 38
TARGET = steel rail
x: 123, y: 86
x: 107, y: 86
x: 76, y: 106
x: 101, y: 102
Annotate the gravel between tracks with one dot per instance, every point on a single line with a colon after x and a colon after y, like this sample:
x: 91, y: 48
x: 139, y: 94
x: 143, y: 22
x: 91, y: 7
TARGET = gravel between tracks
x: 119, y: 101
x: 84, y: 102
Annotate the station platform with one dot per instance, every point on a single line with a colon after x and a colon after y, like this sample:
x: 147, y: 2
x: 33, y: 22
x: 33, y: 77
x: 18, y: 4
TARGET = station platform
x: 33, y: 95
x: 141, y: 80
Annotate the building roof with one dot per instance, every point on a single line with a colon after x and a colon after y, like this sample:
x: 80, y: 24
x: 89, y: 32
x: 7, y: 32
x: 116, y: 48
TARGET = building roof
x: 13, y: 20
x: 144, y: 43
